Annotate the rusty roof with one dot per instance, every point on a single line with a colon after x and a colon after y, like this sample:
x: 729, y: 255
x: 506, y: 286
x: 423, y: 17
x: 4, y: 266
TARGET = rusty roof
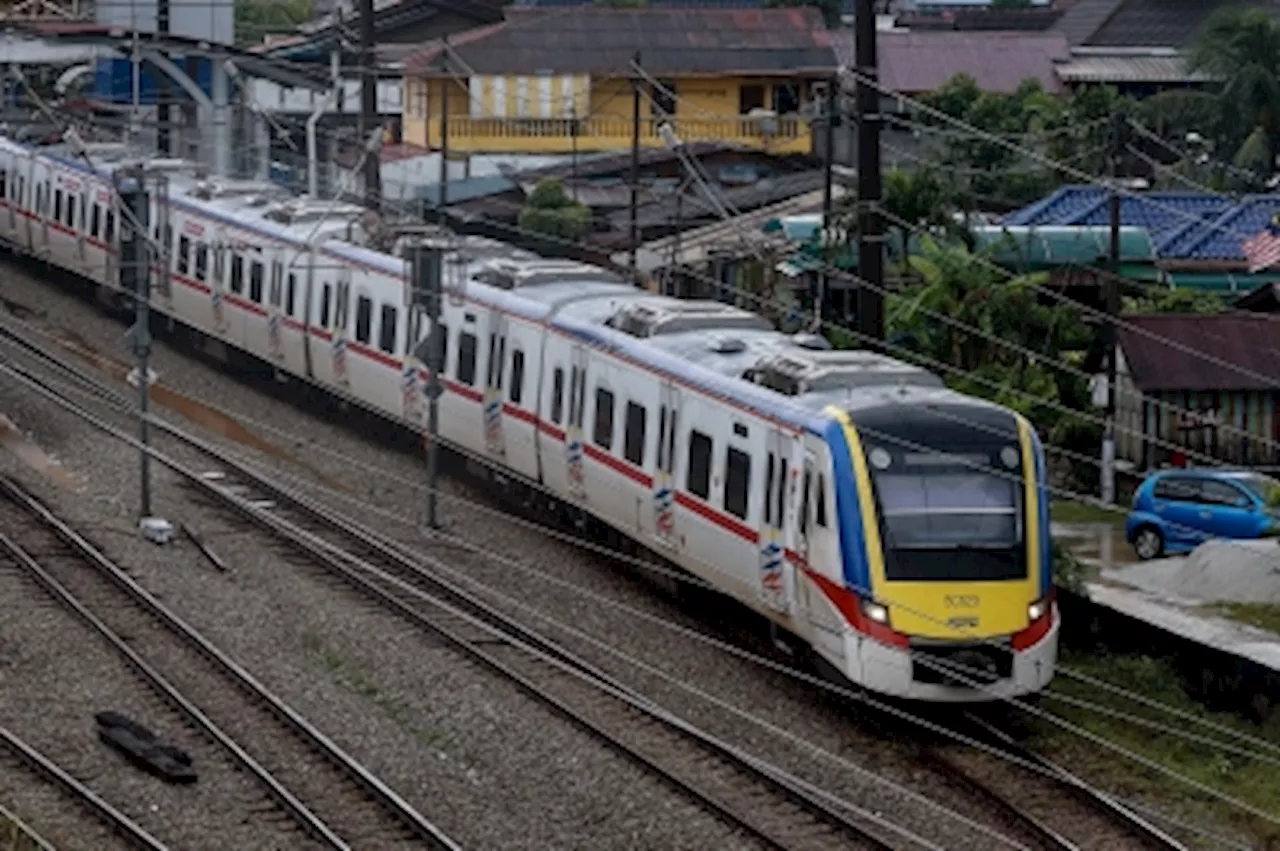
x: 671, y: 41
x: 1236, y: 351
x: 917, y: 62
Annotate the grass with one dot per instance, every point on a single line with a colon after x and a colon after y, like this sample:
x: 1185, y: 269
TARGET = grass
x: 1248, y: 779
x: 1264, y: 615
x: 354, y: 679
x: 1070, y: 511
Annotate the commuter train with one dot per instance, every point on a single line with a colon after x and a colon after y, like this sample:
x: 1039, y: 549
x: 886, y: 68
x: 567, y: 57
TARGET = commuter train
x: 895, y: 528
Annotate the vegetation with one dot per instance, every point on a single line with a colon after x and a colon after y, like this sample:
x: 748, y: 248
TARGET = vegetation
x: 257, y: 18
x: 549, y: 210
x: 1068, y: 511
x: 1251, y: 780
x: 1176, y: 301
x: 1264, y: 615
x: 12, y: 838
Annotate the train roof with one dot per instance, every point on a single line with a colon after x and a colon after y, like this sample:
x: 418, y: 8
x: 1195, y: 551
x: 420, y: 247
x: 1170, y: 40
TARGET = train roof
x: 724, y: 349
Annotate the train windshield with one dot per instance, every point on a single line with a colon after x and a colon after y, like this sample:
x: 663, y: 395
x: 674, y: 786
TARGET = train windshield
x: 950, y: 510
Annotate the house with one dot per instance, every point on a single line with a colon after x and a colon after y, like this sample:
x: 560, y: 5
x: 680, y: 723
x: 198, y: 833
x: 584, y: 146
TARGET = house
x: 1206, y: 384
x: 561, y: 81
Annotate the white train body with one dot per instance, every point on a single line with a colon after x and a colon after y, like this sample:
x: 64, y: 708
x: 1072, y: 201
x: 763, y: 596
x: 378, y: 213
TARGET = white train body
x: 804, y: 483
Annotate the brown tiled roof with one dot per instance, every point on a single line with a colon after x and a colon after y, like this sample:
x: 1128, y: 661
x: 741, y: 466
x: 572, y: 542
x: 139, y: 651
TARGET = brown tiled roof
x: 671, y: 41
x: 1241, y: 351
x: 916, y: 62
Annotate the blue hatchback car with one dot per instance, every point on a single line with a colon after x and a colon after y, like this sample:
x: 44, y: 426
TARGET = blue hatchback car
x: 1176, y: 510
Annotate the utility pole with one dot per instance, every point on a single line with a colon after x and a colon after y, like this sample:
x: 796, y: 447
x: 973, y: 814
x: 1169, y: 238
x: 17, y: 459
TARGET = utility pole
x: 1111, y: 304
x: 428, y: 284
x: 870, y: 308
x: 635, y: 163
x: 369, y: 109
x: 164, y: 114
x: 444, y: 130
x: 135, y: 277
x: 829, y: 141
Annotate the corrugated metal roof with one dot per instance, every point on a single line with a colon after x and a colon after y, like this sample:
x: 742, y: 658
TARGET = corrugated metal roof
x: 595, y: 40
x: 1161, y: 359
x: 1162, y: 23
x: 1083, y: 19
x: 915, y: 62
x: 1128, y: 69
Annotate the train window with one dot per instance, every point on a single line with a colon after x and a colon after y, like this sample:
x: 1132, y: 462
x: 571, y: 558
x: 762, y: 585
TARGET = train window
x: 821, y: 518
x: 184, y: 263
x: 168, y: 243
x: 557, y: 395
x: 444, y: 345
x: 662, y: 437
x: 237, y: 277
x: 57, y: 205
x: 769, y: 475
x: 364, y: 318
x: 502, y: 360
x: 698, y: 481
x: 633, y: 441
x: 603, y: 430
x: 804, y: 502
x: 517, y: 376
x: 255, y: 281
x: 4, y: 183
x: 71, y: 210
x: 326, y: 296
x: 275, y: 294
x: 782, y: 494
x: 219, y: 263
x: 290, y: 294
x: 467, y: 358
x: 110, y: 232
x: 737, y: 482
x: 387, y: 328
x: 202, y: 261
x: 95, y: 221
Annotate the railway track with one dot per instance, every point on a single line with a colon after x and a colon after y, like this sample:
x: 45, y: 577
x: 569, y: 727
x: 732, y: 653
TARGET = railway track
x: 27, y: 774
x: 778, y: 809
x: 329, y: 794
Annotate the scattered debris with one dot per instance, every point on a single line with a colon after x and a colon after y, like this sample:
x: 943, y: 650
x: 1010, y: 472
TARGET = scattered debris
x: 157, y: 530
x: 141, y: 747
x: 196, y: 539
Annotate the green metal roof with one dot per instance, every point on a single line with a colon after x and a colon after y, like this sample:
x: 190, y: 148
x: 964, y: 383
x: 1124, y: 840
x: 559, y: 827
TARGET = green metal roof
x: 1220, y: 282
x: 1050, y: 247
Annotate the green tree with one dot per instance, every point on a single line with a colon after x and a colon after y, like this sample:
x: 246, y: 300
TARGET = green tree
x: 1176, y: 301
x: 257, y: 18
x: 549, y: 210
x: 914, y: 200
x: 832, y: 10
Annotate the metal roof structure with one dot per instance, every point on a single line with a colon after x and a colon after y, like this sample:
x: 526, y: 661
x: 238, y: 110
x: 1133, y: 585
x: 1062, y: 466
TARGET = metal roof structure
x: 601, y: 40
x: 1156, y: 67
x: 1162, y: 23
x: 1162, y: 359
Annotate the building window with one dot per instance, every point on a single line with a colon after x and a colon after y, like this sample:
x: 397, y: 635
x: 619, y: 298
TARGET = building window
x: 633, y: 442
x: 750, y: 97
x: 699, y: 479
x: 603, y: 434
x: 737, y: 482
x: 662, y: 98
x: 786, y: 98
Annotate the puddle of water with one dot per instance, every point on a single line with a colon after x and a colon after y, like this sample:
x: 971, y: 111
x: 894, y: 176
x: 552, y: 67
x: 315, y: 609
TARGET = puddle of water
x: 192, y: 409
x: 29, y: 453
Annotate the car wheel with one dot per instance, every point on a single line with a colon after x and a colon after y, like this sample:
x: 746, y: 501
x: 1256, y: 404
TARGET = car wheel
x: 1148, y: 543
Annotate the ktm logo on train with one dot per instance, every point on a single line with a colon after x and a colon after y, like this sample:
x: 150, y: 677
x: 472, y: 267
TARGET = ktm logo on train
x: 961, y: 601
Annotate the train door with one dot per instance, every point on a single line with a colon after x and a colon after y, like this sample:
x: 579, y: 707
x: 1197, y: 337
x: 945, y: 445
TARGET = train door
x: 78, y: 199
x: 44, y: 205
x: 664, y: 487
x: 341, y: 307
x: 218, y: 285
x: 773, y: 590
x: 573, y: 445
x: 494, y: 440
x: 26, y: 197
x: 804, y: 524
x: 275, y: 300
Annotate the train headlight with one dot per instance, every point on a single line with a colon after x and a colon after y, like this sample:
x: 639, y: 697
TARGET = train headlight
x: 1037, y: 610
x: 875, y: 611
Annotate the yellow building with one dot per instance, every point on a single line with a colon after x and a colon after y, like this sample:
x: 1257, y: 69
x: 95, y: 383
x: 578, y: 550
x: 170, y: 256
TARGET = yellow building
x: 549, y: 81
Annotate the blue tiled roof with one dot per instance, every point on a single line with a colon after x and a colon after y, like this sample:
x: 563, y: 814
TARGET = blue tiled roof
x: 1184, y: 225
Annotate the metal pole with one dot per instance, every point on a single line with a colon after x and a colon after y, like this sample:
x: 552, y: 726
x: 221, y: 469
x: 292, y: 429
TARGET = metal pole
x: 1111, y: 298
x: 428, y: 272
x: 369, y: 108
x: 444, y: 130
x: 135, y: 275
x: 829, y: 141
x: 635, y: 165
x: 164, y: 92
x: 870, y: 308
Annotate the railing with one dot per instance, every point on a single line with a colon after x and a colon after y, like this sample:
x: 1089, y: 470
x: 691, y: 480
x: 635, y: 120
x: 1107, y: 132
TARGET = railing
x: 607, y: 133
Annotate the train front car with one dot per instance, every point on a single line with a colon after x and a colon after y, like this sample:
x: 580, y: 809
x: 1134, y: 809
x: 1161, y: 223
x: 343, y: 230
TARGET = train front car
x: 944, y: 526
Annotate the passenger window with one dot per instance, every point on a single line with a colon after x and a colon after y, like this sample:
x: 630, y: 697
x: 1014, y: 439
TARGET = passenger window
x: 699, y: 479
x: 219, y: 263
x: 277, y: 284
x: 557, y: 396
x: 1221, y: 493
x: 111, y: 228
x: 290, y: 294
x: 255, y: 281
x: 237, y: 277
x: 517, y: 376
x: 71, y: 210
x: 325, y: 298
x: 184, y: 263
x: 603, y: 434
x: 737, y: 482
x: 202, y: 261
x: 95, y: 221
x: 57, y: 205
x: 1182, y: 490
x: 387, y: 329
x: 633, y: 441
x: 821, y: 518
x: 467, y: 359
x: 364, y: 319
x: 342, y: 306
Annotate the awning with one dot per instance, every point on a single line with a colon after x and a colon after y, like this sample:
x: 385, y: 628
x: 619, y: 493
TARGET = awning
x: 1220, y: 282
